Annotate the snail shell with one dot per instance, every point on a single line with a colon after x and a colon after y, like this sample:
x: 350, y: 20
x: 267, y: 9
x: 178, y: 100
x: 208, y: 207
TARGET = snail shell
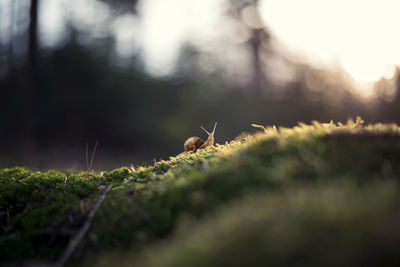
x: 193, y: 143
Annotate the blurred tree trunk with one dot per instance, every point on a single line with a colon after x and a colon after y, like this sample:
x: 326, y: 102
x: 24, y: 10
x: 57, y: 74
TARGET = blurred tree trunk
x: 258, y: 74
x: 33, y: 42
x: 1, y: 46
x: 255, y: 43
x: 31, y: 83
x: 10, y: 59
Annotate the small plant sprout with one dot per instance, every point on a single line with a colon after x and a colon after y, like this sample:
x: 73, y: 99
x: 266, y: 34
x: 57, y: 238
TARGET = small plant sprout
x: 259, y: 127
x: 90, y: 165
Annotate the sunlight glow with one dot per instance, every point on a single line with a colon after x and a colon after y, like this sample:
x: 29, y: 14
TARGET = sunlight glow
x: 167, y: 24
x: 52, y: 22
x: 359, y: 35
x: 127, y: 33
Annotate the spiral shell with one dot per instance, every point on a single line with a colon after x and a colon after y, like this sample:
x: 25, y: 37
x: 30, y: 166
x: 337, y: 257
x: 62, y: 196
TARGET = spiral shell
x: 192, y: 143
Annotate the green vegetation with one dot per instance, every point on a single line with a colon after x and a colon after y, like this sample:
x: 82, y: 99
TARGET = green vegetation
x: 320, y: 194
x: 335, y: 225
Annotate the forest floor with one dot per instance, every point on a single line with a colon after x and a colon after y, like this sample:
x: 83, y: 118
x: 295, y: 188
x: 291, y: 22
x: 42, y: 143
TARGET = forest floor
x: 324, y: 194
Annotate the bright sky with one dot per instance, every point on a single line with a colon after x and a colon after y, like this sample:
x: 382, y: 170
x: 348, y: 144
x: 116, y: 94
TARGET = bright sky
x: 360, y: 35
x: 167, y: 24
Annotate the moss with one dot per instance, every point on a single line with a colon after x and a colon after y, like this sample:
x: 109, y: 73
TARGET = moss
x: 117, y: 175
x: 13, y: 174
x: 333, y: 225
x: 40, y: 211
x: 35, y: 203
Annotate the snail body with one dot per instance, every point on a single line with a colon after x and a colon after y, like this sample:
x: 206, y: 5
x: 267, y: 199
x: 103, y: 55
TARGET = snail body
x: 194, y: 143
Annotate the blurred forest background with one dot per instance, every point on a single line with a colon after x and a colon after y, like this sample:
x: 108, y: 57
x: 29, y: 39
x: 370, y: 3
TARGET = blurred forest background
x: 75, y: 75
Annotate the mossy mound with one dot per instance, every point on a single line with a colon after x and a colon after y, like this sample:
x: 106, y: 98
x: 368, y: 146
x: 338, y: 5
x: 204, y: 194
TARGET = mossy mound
x: 41, y: 211
x: 339, y: 224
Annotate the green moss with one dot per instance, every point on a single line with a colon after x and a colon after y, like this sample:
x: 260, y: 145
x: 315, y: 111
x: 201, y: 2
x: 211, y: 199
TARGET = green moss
x: 333, y: 225
x: 13, y: 174
x: 36, y: 202
x: 40, y: 211
x: 117, y: 175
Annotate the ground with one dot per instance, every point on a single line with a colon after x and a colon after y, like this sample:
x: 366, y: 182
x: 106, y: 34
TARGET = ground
x: 323, y: 194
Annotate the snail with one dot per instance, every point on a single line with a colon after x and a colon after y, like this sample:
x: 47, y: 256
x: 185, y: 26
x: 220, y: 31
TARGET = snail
x: 194, y: 143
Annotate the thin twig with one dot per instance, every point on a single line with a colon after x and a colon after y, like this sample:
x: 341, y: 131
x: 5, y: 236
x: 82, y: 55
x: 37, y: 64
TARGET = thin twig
x: 132, y: 168
x: 87, y: 156
x: 82, y: 232
x: 66, y: 179
x: 93, y: 153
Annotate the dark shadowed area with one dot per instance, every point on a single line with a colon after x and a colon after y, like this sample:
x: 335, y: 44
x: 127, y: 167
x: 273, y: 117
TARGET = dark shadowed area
x: 74, y: 74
